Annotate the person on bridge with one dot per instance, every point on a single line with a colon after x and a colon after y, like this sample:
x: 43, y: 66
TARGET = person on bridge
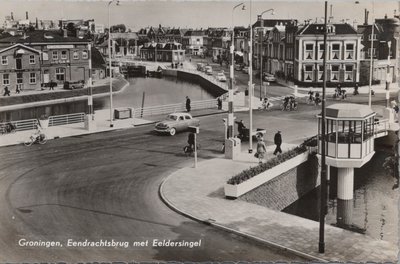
x: 188, y: 104
x: 278, y: 142
x: 261, y: 149
x: 6, y: 91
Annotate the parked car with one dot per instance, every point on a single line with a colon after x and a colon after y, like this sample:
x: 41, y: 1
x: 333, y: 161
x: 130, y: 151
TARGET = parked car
x: 221, y: 77
x: 238, y: 67
x: 245, y: 69
x: 269, y: 77
x: 208, y: 70
x: 74, y: 85
x: 176, y: 122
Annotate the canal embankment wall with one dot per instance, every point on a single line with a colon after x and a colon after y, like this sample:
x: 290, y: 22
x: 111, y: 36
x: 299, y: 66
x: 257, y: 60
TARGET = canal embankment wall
x: 207, y: 85
x: 288, y: 187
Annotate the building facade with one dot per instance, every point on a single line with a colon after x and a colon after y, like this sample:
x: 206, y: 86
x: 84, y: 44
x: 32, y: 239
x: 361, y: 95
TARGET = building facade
x: 163, y: 52
x: 193, y: 42
x: 63, y: 58
x: 20, y: 66
x: 343, y: 60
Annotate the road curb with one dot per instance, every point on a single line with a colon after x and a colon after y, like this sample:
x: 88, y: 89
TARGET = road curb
x: 228, y: 229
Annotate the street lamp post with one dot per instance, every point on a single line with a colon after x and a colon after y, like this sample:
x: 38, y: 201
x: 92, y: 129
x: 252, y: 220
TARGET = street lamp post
x: 388, y: 81
x: 251, y: 85
x: 371, y: 59
x: 231, y: 79
x: 323, y: 205
x: 109, y: 62
x: 261, y: 44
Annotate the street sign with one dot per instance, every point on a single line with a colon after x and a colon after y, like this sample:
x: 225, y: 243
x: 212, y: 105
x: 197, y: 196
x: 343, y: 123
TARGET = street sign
x: 194, y: 129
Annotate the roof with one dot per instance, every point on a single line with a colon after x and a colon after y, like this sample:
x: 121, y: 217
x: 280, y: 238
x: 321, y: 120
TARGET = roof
x: 42, y: 36
x: 195, y: 33
x: 317, y: 29
x: 19, y: 46
x: 124, y: 35
x: 349, y: 111
x: 273, y: 22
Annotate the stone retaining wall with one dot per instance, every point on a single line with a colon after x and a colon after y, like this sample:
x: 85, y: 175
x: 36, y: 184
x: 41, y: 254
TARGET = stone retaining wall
x: 210, y: 87
x: 287, y: 187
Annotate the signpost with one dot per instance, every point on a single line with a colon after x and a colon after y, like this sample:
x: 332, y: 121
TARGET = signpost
x: 195, y: 130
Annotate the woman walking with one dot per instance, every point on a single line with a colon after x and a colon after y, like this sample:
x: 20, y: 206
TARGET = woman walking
x: 261, y: 149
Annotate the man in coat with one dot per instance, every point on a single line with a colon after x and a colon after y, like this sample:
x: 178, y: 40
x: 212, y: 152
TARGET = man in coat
x: 278, y: 142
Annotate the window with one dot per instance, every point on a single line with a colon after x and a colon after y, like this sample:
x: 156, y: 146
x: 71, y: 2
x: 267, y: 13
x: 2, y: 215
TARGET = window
x: 60, y: 74
x: 4, y: 60
x: 20, y: 78
x: 348, y: 75
x: 32, y: 78
x: 76, y: 55
x: 32, y: 59
x: 320, y: 72
x: 335, y: 73
x: 84, y: 54
x: 6, y: 79
x: 335, y: 52
x: 308, y: 73
x: 349, y: 52
x: 63, y: 54
x: 369, y: 37
x: 54, y: 55
x: 321, y: 49
x: 309, y: 54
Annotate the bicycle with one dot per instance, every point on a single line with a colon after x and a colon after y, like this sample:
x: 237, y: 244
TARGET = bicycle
x: 37, y: 137
x: 188, y: 150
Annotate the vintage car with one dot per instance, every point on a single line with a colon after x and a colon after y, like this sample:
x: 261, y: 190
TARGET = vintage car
x: 221, y: 77
x: 176, y: 122
x: 74, y: 85
x: 208, y: 70
x: 269, y: 77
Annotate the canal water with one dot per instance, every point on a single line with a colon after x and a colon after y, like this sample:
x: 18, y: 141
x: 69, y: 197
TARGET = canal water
x: 157, y: 91
x: 375, y: 203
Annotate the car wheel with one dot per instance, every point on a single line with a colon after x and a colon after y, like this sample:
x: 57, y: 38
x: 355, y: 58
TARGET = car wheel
x: 172, y: 132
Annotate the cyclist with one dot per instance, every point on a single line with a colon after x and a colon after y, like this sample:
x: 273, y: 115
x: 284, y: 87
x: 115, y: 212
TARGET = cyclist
x: 265, y: 104
x: 285, y: 103
x: 293, y: 103
x: 310, y: 96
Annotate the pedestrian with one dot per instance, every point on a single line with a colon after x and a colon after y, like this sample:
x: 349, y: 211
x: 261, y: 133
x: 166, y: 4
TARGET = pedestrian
x: 344, y: 96
x: 278, y: 142
x: 261, y: 149
x: 355, y: 92
x: 188, y: 104
x: 6, y: 91
x: 17, y: 89
x: 52, y: 85
x: 190, y: 141
x: 219, y: 103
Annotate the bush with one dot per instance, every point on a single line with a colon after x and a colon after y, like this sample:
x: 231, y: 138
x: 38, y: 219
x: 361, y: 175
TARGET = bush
x: 253, y: 171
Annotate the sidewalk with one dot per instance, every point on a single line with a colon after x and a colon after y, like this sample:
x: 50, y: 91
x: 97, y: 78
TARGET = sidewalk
x: 199, y: 194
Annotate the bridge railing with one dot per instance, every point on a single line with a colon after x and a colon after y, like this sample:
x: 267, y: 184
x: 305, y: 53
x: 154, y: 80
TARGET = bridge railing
x: 381, y: 126
x: 22, y: 125
x: 60, y: 120
x: 172, y: 108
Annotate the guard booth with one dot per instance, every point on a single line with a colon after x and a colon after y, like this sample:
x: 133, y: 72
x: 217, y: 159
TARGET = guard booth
x: 349, y: 144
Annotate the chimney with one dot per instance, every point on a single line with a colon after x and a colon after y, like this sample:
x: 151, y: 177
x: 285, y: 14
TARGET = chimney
x: 366, y: 17
x: 258, y: 17
x: 26, y: 14
x: 65, y: 33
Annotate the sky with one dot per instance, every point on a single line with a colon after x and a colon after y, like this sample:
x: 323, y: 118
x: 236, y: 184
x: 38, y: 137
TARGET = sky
x: 192, y: 14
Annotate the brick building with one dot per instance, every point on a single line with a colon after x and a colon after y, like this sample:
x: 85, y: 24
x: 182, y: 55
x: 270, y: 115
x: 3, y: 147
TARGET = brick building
x: 63, y: 58
x: 20, y: 66
x: 163, y: 52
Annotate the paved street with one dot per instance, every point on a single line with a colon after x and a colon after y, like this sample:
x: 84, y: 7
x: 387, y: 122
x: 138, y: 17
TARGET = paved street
x: 105, y: 186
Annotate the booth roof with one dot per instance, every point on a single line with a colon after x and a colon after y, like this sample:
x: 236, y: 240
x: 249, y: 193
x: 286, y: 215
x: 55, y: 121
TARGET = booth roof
x: 349, y: 111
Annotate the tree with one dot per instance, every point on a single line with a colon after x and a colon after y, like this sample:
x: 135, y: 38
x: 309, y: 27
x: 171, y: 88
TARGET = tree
x: 118, y: 28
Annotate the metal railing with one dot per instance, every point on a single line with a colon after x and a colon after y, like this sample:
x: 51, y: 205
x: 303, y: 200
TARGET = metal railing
x: 172, y: 108
x: 60, y: 120
x: 22, y: 125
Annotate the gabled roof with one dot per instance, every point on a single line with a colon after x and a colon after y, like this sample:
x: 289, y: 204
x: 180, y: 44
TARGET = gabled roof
x: 21, y: 47
x: 317, y: 29
x: 42, y: 36
x: 195, y: 33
